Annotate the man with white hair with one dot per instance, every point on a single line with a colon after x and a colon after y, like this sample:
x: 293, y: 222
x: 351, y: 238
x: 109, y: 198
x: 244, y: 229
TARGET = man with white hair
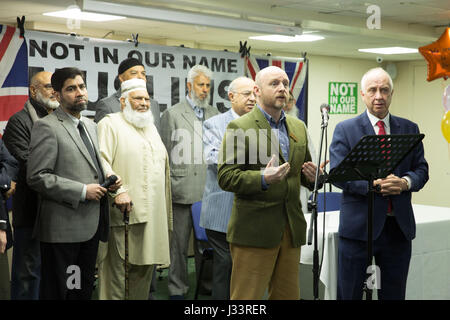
x: 131, y: 147
x: 216, y: 203
x: 393, y: 221
x: 181, y: 132
x: 26, y: 262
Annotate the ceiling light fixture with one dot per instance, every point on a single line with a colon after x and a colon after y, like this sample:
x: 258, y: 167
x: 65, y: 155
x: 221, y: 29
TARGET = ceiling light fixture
x: 174, y: 16
x: 390, y: 50
x: 74, y: 12
x: 281, y: 38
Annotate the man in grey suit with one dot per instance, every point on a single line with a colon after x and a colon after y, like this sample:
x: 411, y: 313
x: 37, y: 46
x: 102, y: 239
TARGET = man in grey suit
x: 130, y: 68
x: 181, y: 133
x: 65, y: 170
x: 216, y: 203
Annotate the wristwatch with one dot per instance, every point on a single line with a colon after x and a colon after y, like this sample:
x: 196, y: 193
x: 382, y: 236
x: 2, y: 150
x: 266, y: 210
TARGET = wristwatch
x: 3, y: 225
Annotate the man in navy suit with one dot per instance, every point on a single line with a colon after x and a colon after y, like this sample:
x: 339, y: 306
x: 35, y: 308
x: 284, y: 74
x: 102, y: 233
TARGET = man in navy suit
x: 216, y: 203
x: 394, y: 226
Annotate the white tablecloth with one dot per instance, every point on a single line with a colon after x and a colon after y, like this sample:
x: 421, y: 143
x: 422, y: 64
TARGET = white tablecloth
x: 429, y: 270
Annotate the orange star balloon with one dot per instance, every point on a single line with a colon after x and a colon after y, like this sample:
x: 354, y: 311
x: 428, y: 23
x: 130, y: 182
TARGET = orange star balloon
x: 437, y: 55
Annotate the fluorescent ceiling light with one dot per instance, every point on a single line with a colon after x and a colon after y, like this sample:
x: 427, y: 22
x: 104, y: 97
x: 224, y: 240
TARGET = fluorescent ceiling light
x: 390, y: 50
x: 281, y: 38
x: 76, y: 13
x: 175, y: 16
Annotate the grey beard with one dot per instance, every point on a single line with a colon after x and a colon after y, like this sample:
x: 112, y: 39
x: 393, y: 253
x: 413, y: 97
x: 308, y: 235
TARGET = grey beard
x: 293, y: 112
x: 200, y: 103
x: 47, y: 102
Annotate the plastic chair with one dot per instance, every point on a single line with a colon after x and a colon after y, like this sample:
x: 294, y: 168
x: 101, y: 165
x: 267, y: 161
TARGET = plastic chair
x: 332, y: 201
x: 202, y: 241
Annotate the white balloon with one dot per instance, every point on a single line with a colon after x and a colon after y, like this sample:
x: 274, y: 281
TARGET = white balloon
x: 446, y: 98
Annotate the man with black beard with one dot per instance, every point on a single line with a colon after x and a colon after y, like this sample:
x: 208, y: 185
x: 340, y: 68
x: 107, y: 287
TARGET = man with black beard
x: 64, y: 168
x: 26, y: 261
x: 181, y: 132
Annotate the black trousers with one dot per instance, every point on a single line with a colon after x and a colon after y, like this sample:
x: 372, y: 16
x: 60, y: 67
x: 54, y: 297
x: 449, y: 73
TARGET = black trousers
x: 222, y: 264
x: 67, y: 270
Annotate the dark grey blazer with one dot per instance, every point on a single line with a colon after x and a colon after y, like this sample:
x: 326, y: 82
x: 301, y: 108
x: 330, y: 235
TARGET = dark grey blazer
x: 58, y: 166
x: 111, y: 104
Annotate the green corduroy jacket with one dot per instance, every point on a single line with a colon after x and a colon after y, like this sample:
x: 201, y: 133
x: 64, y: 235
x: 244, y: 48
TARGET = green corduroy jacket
x: 259, y: 217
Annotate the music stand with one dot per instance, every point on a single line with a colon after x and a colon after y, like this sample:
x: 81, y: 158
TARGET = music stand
x: 373, y: 157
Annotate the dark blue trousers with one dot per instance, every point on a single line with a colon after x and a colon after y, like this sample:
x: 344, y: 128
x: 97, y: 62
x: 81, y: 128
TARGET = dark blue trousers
x: 26, y: 265
x: 392, y: 252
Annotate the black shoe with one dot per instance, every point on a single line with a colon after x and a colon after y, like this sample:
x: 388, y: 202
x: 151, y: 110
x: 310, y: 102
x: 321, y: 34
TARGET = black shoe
x: 204, y: 291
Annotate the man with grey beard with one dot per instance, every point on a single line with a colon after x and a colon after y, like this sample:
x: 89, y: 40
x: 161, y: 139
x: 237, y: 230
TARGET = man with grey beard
x: 26, y: 261
x: 292, y: 110
x: 131, y: 147
x: 64, y: 168
x: 181, y: 132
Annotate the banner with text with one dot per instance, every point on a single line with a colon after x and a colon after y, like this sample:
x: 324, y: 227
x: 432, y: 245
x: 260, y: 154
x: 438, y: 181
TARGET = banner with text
x: 343, y: 97
x: 166, y: 67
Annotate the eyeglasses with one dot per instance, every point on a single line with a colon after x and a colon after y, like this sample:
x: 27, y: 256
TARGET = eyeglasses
x: 246, y: 94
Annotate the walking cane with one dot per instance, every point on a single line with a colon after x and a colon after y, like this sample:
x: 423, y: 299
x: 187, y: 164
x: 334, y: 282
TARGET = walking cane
x: 126, y: 220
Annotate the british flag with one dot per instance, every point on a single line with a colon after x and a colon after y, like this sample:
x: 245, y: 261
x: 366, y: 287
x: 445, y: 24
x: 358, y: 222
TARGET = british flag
x: 296, y: 69
x: 13, y: 73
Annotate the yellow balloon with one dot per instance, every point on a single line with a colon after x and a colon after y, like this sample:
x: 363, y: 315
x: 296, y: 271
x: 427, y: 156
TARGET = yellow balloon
x: 445, y: 126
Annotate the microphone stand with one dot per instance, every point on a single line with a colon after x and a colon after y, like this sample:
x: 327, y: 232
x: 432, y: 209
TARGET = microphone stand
x: 312, y: 206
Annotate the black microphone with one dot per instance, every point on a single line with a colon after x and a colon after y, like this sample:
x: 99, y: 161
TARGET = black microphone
x: 325, y: 108
x: 109, y: 181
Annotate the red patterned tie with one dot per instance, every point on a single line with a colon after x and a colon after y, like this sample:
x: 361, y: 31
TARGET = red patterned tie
x: 380, y: 125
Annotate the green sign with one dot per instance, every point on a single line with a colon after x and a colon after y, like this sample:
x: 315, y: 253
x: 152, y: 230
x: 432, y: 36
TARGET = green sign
x: 343, y: 97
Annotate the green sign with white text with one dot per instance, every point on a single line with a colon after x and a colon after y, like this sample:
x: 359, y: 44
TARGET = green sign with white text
x: 343, y: 97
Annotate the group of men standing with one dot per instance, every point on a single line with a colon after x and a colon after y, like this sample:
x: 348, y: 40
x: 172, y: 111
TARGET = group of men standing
x: 251, y: 210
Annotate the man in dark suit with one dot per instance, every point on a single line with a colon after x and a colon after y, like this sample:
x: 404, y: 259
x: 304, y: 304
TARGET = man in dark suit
x: 8, y: 172
x: 393, y: 224
x: 130, y: 68
x: 64, y: 168
x: 26, y: 261
x: 9, y: 169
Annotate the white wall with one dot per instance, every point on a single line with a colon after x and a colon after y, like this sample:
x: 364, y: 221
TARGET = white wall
x: 421, y: 101
x: 322, y: 70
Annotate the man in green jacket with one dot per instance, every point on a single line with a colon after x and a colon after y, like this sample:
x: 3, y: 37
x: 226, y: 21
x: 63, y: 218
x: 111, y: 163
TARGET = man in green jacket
x: 265, y: 168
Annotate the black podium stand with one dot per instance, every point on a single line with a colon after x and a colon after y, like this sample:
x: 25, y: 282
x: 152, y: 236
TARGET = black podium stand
x: 373, y: 157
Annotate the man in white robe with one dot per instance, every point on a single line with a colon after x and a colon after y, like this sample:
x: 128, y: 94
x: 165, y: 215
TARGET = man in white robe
x: 131, y: 147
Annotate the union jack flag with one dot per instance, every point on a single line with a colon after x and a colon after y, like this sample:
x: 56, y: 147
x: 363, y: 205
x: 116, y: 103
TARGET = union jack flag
x: 296, y: 69
x: 13, y: 73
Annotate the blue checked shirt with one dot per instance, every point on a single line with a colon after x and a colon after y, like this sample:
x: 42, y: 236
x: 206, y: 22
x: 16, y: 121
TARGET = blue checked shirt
x: 280, y: 130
